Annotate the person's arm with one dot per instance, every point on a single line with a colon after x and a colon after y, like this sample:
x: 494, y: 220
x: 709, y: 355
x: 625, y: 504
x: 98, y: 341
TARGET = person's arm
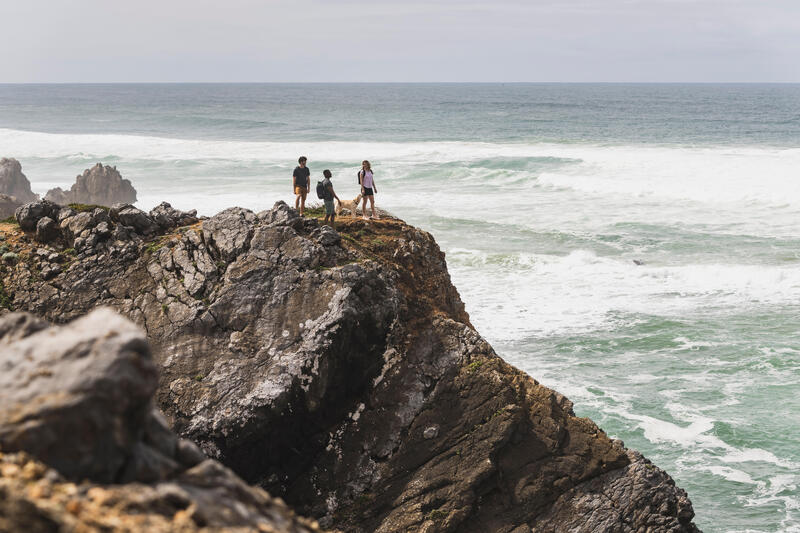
x: 308, y: 181
x: 330, y: 187
x: 374, y: 188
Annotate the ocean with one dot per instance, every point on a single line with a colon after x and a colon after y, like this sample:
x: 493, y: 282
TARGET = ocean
x: 633, y: 246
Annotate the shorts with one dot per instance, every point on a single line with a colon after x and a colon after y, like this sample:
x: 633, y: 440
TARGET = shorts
x: 368, y: 191
x: 301, y: 190
x: 329, y: 210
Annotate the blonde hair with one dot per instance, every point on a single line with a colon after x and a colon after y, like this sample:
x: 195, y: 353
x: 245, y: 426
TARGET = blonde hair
x: 365, y: 162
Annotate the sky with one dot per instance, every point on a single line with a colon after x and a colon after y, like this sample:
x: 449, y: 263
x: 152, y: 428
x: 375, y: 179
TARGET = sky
x: 400, y: 41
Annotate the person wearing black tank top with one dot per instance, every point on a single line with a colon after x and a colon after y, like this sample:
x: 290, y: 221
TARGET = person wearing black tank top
x: 301, y: 182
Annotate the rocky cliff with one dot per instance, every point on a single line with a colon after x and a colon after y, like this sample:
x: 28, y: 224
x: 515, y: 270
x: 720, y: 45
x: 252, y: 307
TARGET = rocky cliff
x: 84, y: 449
x: 339, y: 371
x: 100, y: 185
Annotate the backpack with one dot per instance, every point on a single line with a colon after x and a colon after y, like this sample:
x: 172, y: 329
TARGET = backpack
x: 359, y: 176
x: 320, y: 190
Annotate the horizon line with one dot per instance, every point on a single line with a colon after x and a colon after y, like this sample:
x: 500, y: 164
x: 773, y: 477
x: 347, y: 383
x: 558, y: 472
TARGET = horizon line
x: 400, y: 83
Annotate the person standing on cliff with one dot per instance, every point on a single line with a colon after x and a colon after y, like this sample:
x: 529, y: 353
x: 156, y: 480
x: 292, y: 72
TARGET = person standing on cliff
x: 330, y: 211
x: 368, y: 189
x: 301, y: 181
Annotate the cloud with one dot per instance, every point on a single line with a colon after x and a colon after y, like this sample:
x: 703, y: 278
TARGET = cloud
x: 357, y: 40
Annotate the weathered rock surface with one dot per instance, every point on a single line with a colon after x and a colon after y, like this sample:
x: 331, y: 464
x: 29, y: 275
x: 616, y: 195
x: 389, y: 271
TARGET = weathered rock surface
x: 77, y: 398
x: 8, y: 204
x: 99, y: 185
x: 339, y: 370
x: 14, y: 183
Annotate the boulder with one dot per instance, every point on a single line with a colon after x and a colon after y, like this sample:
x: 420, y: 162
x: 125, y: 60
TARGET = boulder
x: 168, y: 217
x: 14, y: 183
x: 75, y: 406
x: 47, y: 230
x: 29, y: 214
x: 127, y: 215
x: 93, y: 379
x: 99, y: 185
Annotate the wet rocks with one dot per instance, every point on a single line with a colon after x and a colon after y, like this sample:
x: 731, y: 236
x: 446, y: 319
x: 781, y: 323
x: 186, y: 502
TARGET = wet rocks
x: 14, y: 183
x: 99, y: 185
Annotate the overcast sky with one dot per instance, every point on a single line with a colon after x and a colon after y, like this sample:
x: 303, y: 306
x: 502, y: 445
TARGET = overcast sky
x: 399, y: 40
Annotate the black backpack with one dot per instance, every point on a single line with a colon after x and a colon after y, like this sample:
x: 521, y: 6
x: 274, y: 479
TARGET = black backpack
x: 320, y: 190
x: 359, y: 176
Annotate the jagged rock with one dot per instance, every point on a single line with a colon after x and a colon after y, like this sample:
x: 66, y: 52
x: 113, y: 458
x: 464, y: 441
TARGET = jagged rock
x: 127, y: 215
x: 8, y: 205
x: 93, y: 379
x: 29, y: 214
x: 47, y: 230
x: 99, y: 185
x: 168, y: 217
x: 14, y: 183
x: 78, y: 398
x: 316, y: 363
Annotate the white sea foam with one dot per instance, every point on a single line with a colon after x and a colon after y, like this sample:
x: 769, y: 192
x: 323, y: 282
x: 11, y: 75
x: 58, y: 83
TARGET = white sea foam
x: 543, y: 294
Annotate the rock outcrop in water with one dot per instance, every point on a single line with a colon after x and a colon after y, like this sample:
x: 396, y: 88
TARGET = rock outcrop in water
x: 99, y: 185
x: 339, y: 371
x: 75, y: 404
x: 8, y: 205
x: 14, y: 186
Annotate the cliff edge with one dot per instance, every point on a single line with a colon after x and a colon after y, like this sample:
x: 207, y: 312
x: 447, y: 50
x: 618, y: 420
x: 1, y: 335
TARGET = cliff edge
x: 338, y: 370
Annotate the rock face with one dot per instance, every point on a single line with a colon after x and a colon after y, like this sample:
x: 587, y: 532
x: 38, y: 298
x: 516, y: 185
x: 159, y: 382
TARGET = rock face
x: 99, y: 185
x: 14, y: 183
x: 339, y: 370
x: 77, y: 399
x: 8, y: 204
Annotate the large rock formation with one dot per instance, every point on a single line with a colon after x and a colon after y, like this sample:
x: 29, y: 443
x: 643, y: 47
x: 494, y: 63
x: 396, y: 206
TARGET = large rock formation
x: 99, y: 185
x: 8, y: 204
x: 77, y: 399
x: 339, y: 370
x: 14, y: 183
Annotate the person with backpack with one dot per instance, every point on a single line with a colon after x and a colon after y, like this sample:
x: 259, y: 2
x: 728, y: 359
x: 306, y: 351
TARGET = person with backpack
x: 368, y: 190
x: 301, y: 182
x: 326, y: 192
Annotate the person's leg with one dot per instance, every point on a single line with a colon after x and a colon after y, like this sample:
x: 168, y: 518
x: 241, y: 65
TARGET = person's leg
x: 364, y: 206
x: 296, y: 199
x: 333, y: 220
x: 302, y: 201
x: 372, y: 205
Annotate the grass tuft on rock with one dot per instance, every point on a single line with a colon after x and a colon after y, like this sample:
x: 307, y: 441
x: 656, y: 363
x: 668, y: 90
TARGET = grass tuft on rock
x: 80, y: 208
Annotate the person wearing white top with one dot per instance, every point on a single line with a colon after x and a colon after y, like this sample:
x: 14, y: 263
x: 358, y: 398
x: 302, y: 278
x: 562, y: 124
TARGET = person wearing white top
x: 368, y: 189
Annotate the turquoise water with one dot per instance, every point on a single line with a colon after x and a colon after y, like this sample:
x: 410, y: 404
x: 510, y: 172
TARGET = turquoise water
x: 542, y: 196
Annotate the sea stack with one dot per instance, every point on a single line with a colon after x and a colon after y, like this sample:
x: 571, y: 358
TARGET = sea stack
x: 99, y: 185
x: 14, y: 183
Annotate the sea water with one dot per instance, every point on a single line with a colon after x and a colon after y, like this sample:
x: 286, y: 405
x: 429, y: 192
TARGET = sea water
x: 635, y: 247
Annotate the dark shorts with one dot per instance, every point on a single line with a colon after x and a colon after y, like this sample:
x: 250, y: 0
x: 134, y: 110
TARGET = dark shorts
x: 368, y: 191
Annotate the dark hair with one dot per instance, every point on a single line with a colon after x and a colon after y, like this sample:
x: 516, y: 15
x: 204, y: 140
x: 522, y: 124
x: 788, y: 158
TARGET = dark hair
x: 327, y: 173
x: 302, y: 159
